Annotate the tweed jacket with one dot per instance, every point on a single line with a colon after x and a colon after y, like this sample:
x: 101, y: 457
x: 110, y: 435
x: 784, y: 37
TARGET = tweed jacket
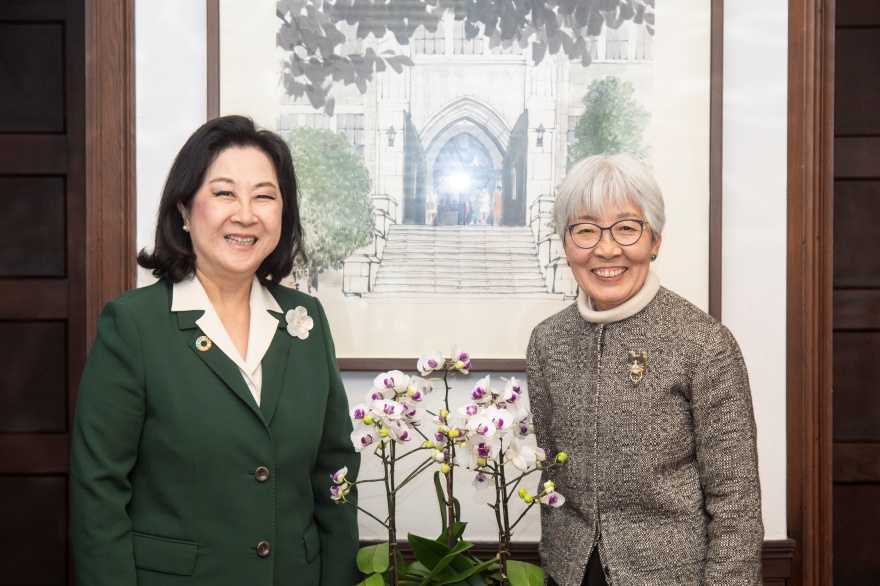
x: 179, y: 477
x: 662, y: 475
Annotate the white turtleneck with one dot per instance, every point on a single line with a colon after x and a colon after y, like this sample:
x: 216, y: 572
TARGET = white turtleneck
x: 628, y: 308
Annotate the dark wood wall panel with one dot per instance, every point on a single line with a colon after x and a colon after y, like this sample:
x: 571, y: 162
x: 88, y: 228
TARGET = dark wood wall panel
x: 855, y: 110
x: 858, y: 13
x: 856, y: 390
x: 856, y: 535
x: 37, y: 556
x: 856, y: 462
x: 857, y: 157
x: 34, y: 219
x: 32, y: 78
x: 857, y: 309
x: 856, y: 236
x: 856, y: 332
x: 33, y: 393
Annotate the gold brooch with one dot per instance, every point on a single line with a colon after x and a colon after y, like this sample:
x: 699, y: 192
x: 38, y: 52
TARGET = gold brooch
x: 638, y: 364
x: 203, y: 343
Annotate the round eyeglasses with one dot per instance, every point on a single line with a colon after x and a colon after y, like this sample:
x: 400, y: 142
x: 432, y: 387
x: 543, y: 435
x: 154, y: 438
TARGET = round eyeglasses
x: 624, y: 232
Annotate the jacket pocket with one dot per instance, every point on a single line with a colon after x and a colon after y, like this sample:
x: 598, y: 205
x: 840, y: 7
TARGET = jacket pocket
x: 160, y: 554
x: 312, y: 542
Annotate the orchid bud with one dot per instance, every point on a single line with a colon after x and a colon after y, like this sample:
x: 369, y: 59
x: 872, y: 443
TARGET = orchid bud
x: 458, y: 365
x: 383, y: 433
x: 368, y: 420
x: 444, y: 413
x: 454, y: 433
x: 445, y: 468
x: 522, y: 493
x: 561, y: 457
x: 529, y: 499
x: 482, y: 462
x: 549, y: 486
x: 428, y: 444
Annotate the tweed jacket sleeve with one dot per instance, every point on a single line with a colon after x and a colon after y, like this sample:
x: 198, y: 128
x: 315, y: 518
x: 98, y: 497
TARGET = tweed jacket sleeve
x: 725, y: 434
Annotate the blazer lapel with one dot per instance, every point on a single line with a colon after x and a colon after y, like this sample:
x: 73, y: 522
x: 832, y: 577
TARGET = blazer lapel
x: 274, y: 366
x: 217, y: 361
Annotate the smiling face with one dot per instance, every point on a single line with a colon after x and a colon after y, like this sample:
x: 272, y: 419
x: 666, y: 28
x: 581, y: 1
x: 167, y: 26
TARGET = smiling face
x: 234, y: 218
x: 610, y: 273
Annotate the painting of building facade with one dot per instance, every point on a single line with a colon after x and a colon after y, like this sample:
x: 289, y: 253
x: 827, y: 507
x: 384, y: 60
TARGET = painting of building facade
x: 429, y: 142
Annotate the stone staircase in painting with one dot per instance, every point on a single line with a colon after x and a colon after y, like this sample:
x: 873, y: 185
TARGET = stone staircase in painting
x: 473, y: 261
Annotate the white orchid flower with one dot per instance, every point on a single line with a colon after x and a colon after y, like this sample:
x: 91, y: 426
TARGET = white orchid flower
x: 412, y: 414
x: 521, y: 455
x: 339, y: 476
x: 429, y: 363
x: 418, y: 388
x: 398, y: 431
x: 387, y: 410
x: 363, y: 437
x: 358, y: 412
x: 481, y: 425
x: 299, y: 323
x: 481, y: 451
x: 503, y: 419
x: 482, y: 481
x: 393, y: 379
x: 554, y: 499
x: 482, y: 393
x: 461, y: 361
x: 338, y: 492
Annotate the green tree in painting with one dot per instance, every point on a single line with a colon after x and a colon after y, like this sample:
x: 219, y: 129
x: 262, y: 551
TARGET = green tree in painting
x: 318, y: 54
x: 335, y: 206
x: 613, y: 121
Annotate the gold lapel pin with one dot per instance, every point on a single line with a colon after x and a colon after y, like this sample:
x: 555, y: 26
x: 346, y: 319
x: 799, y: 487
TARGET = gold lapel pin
x: 638, y: 364
x: 203, y: 344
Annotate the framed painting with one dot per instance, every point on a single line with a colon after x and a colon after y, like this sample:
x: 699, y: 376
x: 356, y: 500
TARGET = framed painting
x: 429, y: 144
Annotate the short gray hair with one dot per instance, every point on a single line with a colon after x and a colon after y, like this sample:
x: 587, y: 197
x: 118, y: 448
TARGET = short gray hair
x: 601, y: 181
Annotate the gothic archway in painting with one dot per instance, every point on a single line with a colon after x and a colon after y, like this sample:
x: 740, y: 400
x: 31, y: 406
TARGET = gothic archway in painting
x: 465, y: 144
x: 463, y: 180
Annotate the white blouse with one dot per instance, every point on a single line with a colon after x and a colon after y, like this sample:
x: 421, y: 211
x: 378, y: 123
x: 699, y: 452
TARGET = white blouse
x: 190, y: 295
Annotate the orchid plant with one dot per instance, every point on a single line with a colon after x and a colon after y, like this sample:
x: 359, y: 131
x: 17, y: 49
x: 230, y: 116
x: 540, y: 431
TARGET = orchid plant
x: 486, y: 434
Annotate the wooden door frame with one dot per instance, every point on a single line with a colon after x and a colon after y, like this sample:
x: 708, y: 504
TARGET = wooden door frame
x: 111, y: 223
x: 110, y: 172
x: 809, y: 282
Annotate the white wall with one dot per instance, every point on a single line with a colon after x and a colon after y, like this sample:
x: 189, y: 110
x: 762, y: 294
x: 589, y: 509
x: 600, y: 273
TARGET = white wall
x: 754, y: 209
x: 171, y: 98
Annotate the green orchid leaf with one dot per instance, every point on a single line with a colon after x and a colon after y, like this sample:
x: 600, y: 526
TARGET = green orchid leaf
x: 524, y: 574
x: 373, y: 559
x: 447, y: 565
x: 472, y: 576
x: 373, y: 580
x: 441, y: 499
x: 457, y: 531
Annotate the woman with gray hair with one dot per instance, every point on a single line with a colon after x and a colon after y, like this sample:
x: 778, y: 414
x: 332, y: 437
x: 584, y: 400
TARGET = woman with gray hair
x: 649, y: 396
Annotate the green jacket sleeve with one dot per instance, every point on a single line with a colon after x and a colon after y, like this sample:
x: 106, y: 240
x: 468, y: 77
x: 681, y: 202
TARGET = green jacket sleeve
x: 104, y: 445
x: 337, y: 523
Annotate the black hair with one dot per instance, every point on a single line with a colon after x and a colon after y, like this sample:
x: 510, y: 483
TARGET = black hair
x: 173, y: 258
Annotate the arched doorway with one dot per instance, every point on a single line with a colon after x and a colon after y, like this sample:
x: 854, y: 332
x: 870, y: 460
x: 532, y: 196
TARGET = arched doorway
x: 463, y: 180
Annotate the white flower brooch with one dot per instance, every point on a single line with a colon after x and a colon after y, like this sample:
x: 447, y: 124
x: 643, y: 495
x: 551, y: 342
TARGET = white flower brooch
x: 299, y: 323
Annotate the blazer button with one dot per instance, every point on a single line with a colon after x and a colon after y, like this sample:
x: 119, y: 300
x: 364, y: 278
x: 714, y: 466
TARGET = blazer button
x: 263, y: 549
x: 261, y: 474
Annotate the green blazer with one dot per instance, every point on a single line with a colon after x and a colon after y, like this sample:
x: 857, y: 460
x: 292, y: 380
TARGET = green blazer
x: 177, y: 475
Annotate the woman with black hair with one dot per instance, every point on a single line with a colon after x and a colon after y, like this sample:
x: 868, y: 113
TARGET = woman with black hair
x: 211, y: 413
